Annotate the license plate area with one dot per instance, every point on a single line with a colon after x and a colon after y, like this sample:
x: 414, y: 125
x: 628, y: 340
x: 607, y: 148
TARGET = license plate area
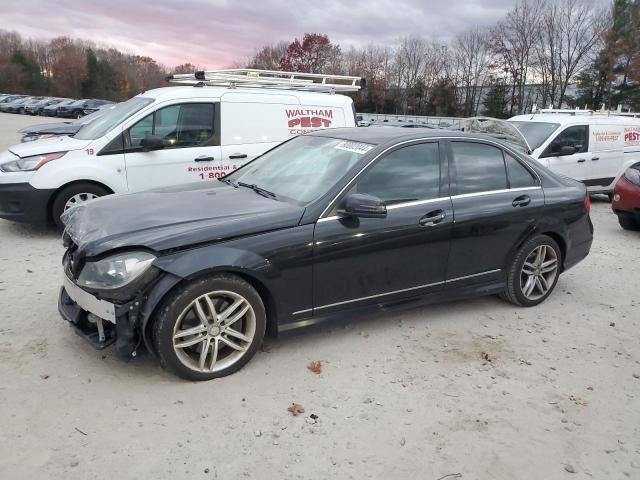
x: 89, y: 303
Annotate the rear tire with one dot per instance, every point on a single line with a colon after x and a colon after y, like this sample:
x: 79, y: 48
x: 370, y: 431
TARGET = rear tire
x: 81, y: 192
x: 533, y: 272
x: 209, y: 328
x: 628, y: 223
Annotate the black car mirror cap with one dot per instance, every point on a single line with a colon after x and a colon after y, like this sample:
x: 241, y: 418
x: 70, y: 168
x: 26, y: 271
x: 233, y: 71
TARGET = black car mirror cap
x: 152, y: 142
x: 362, y: 205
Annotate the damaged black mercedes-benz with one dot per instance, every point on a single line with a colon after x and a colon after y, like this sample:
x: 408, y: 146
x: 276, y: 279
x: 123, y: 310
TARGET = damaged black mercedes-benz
x: 324, y: 225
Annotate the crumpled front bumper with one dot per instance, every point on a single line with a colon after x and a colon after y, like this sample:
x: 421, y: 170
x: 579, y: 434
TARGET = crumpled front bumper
x: 85, y: 323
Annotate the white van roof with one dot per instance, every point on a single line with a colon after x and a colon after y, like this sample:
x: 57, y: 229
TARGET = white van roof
x: 582, y: 118
x: 251, y: 94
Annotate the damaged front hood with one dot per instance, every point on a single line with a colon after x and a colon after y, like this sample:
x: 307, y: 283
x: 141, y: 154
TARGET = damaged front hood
x: 174, y: 218
x: 496, y: 127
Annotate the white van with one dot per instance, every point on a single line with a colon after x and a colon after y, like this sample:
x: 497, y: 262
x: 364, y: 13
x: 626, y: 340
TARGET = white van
x: 594, y: 148
x: 169, y: 136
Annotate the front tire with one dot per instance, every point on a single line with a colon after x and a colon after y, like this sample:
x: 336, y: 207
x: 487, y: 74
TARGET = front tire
x: 74, y: 195
x: 628, y: 223
x: 533, y: 272
x: 210, y: 328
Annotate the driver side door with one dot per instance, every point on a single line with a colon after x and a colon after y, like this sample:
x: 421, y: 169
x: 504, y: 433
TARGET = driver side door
x: 190, y: 153
x: 360, y: 261
x: 559, y: 158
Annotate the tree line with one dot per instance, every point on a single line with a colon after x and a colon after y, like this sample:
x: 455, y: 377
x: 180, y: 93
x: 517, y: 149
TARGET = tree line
x: 543, y: 52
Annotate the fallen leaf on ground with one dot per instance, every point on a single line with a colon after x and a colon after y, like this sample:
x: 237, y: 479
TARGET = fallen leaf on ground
x: 44, y: 376
x: 296, y: 409
x: 485, y: 356
x: 578, y: 400
x: 315, y: 366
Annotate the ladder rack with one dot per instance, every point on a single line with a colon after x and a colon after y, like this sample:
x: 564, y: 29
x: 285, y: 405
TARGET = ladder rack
x: 585, y: 111
x: 270, y: 79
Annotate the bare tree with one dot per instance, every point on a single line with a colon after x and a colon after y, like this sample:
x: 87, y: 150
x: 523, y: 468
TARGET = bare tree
x: 472, y: 60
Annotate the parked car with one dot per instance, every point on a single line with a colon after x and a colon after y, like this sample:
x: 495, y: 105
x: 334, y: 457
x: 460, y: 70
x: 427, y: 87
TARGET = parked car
x: 52, y: 110
x: 591, y: 147
x: 9, y: 98
x: 95, y: 105
x: 78, y: 108
x: 22, y: 108
x: 14, y: 105
x: 36, y: 107
x: 48, y: 130
x: 626, y: 198
x: 168, y: 136
x: 327, y: 224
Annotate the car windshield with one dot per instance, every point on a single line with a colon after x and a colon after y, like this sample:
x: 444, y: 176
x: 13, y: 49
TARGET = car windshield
x: 303, y: 169
x: 535, y: 132
x: 110, y: 118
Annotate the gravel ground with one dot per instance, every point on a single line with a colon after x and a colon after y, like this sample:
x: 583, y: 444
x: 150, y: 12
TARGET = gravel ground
x: 400, y: 395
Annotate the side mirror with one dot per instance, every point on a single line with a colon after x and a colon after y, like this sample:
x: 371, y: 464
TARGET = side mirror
x: 566, y: 150
x: 152, y: 142
x: 362, y: 205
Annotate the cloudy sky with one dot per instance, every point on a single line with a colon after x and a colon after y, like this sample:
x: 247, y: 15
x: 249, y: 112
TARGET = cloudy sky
x: 215, y: 33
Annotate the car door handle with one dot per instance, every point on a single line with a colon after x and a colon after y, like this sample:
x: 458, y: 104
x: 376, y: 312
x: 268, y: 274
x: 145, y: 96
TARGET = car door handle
x: 595, y: 158
x: 233, y: 156
x: 581, y: 160
x: 203, y: 159
x: 432, y: 218
x: 521, y: 201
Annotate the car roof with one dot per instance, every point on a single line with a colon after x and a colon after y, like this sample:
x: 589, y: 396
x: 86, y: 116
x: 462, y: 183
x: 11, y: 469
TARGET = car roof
x: 379, y: 136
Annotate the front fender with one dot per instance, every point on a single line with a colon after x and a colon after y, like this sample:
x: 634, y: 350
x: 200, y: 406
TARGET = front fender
x: 192, y: 263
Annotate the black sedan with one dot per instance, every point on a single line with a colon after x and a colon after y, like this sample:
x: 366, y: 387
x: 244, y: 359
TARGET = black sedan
x: 328, y: 224
x: 52, y: 110
x: 80, y: 108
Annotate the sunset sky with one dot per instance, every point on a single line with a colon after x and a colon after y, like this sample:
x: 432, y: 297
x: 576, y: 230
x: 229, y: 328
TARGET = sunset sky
x: 215, y: 33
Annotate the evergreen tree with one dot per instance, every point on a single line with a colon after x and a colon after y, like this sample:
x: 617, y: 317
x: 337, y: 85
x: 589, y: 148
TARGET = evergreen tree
x: 495, y: 102
x: 32, y: 79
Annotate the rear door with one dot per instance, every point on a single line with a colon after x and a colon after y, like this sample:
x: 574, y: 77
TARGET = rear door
x: 191, y: 150
x: 568, y: 153
x: 607, y: 160
x: 361, y: 261
x: 497, y: 201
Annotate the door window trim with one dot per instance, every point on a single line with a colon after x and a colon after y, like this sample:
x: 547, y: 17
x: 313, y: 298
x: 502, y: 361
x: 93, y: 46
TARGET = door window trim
x: 213, y: 140
x: 546, y: 153
x: 443, y: 168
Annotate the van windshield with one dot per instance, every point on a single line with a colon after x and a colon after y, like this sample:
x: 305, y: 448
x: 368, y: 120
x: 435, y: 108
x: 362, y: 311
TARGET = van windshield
x: 535, y: 132
x: 111, y: 117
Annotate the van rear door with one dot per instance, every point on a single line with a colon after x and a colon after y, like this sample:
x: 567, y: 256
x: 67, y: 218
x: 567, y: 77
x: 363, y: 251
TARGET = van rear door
x: 607, y: 146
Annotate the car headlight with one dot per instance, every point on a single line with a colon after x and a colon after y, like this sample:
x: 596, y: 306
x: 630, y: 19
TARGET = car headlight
x: 28, y: 164
x: 633, y: 174
x: 115, y: 271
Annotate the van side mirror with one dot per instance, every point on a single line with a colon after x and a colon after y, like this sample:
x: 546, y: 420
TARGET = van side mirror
x: 362, y: 205
x: 152, y: 142
x: 566, y: 150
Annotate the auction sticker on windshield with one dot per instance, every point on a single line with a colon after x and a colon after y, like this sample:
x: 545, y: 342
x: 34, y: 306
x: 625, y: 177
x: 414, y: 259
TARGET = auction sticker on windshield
x: 354, y: 147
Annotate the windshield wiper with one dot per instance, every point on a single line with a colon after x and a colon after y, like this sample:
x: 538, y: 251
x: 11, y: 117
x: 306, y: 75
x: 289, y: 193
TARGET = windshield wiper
x: 258, y: 190
x: 228, y: 182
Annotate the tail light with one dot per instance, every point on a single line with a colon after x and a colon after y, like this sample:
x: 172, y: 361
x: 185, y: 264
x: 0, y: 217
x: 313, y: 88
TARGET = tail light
x: 587, y: 203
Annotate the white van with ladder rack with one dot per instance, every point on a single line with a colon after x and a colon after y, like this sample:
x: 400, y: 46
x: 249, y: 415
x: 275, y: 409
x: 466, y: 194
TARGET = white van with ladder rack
x: 216, y: 121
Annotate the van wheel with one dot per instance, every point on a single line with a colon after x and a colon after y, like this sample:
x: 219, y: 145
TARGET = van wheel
x: 628, y: 223
x: 533, y: 272
x: 210, y: 328
x: 74, y: 195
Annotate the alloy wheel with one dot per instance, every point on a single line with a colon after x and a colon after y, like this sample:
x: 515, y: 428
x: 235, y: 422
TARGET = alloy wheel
x: 79, y: 198
x: 539, y: 272
x: 214, y: 331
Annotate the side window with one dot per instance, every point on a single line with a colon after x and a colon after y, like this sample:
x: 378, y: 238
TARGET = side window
x: 518, y: 175
x: 185, y: 125
x: 140, y: 130
x: 575, y: 137
x: 479, y: 167
x: 407, y: 174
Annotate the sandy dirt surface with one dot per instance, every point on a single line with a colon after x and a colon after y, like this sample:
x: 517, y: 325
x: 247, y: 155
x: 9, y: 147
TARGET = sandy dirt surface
x: 478, y: 388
